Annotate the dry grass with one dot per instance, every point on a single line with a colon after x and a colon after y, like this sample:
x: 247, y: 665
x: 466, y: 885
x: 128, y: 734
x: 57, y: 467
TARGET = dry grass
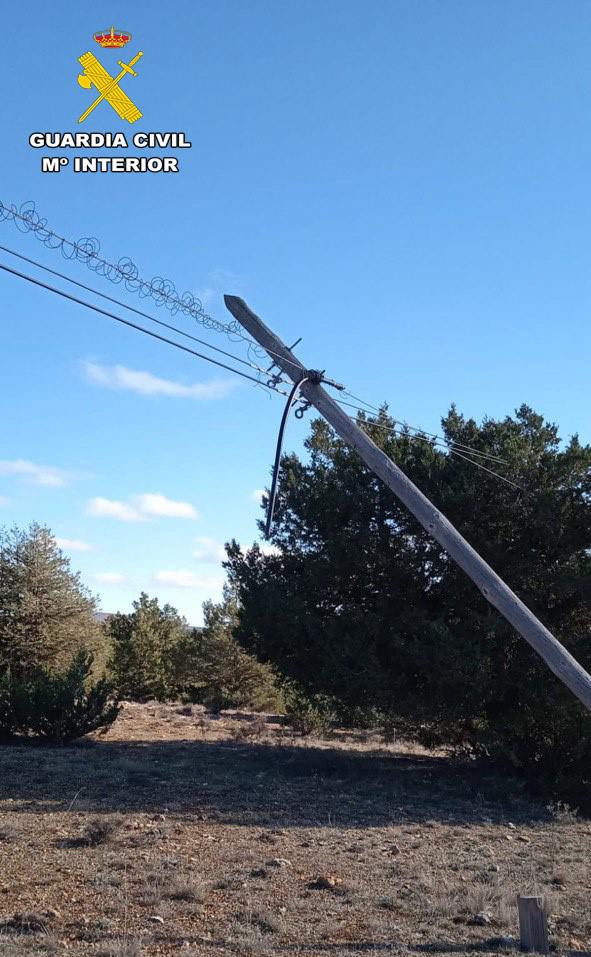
x: 164, y: 837
x: 122, y: 947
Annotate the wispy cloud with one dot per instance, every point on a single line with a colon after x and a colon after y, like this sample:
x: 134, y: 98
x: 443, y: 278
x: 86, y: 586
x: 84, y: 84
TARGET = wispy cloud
x: 145, y: 383
x: 73, y: 545
x: 110, y: 578
x: 46, y: 475
x: 257, y: 495
x: 221, y: 281
x: 206, y: 295
x: 140, y: 508
x: 208, y: 550
x: 185, y: 578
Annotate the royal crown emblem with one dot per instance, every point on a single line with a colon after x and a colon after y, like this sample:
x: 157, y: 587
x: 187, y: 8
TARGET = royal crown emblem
x: 112, y: 38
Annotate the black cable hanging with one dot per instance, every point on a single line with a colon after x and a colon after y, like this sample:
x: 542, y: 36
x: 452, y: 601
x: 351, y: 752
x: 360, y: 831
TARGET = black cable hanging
x: 290, y: 401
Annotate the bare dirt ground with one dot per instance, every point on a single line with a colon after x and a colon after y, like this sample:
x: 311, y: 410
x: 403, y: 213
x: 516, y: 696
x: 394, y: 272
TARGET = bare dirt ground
x: 184, y: 833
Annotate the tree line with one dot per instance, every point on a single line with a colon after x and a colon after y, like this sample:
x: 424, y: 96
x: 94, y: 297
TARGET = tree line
x: 370, y: 618
x: 357, y: 615
x: 62, y: 671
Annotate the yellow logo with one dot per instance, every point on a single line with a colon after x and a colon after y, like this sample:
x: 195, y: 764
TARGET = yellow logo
x: 107, y: 85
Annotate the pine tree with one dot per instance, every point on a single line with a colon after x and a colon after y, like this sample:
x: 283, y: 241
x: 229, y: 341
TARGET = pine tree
x: 46, y: 614
x: 361, y: 605
x: 143, y: 645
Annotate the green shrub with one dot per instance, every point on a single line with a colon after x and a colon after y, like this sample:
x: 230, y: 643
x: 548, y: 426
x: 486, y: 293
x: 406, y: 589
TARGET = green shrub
x: 211, y: 668
x: 307, y: 714
x: 56, y: 706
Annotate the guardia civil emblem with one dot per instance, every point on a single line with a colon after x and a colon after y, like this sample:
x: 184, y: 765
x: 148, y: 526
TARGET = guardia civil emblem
x: 95, y: 75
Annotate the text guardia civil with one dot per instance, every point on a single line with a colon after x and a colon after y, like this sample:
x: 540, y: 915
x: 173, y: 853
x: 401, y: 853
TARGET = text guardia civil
x: 109, y: 164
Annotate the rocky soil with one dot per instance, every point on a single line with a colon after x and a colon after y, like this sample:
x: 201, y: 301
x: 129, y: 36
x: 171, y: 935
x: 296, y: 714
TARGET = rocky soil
x: 180, y: 832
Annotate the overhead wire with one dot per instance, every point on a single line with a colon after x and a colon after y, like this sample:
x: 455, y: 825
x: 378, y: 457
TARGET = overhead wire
x: 125, y: 271
x: 431, y: 441
x: 433, y: 435
x: 133, y: 325
x: 460, y: 449
x: 138, y: 312
x: 485, y: 469
x: 371, y: 408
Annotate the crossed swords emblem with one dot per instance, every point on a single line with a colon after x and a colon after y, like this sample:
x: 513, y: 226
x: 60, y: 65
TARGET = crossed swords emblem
x: 108, y: 86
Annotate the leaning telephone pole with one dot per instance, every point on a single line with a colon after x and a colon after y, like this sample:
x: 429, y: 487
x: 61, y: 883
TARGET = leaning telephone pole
x: 494, y: 589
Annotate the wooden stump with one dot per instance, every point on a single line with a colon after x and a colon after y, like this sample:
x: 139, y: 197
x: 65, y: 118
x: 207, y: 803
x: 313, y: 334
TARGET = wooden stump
x: 533, y: 925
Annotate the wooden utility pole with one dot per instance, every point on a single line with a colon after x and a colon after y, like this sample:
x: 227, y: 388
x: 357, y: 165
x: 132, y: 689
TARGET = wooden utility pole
x: 494, y: 589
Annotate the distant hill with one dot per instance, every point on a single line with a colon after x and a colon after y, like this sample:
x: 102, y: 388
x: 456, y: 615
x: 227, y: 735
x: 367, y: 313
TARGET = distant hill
x: 103, y: 616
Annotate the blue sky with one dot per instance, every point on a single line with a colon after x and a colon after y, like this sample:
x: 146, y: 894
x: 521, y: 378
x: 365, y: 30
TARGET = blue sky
x: 404, y: 185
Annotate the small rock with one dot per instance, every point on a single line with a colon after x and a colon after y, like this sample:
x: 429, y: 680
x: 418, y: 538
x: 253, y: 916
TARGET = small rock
x: 480, y: 919
x: 327, y: 883
x: 494, y: 867
x: 278, y: 862
x: 156, y: 919
x: 386, y: 902
x: 267, y: 838
x: 523, y: 838
x: 512, y: 827
x: 258, y: 872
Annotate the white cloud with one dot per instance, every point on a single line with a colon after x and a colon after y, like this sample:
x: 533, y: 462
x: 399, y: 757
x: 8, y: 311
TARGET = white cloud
x: 208, y: 550
x: 73, y: 545
x: 151, y: 503
x: 46, y: 475
x: 257, y: 495
x: 109, y: 578
x: 145, y: 383
x: 108, y: 508
x: 141, y: 507
x: 185, y: 578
